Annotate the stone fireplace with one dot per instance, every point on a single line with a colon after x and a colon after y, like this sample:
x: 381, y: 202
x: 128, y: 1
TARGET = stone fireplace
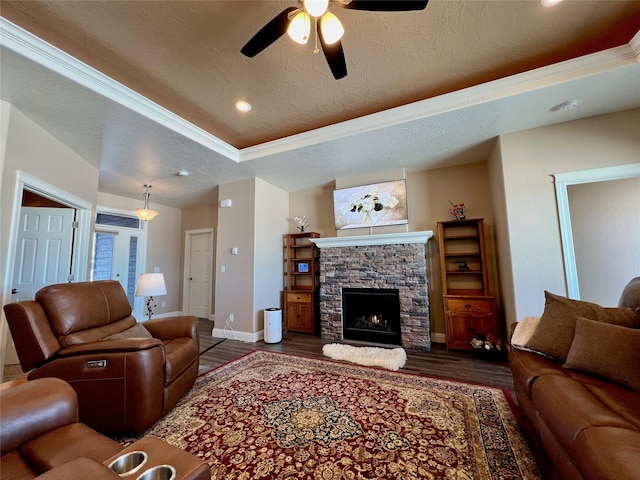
x: 395, y: 261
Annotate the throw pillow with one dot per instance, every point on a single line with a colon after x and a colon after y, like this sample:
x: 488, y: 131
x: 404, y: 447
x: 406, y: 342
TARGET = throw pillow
x: 606, y: 350
x: 137, y: 331
x: 523, y: 332
x: 555, y: 331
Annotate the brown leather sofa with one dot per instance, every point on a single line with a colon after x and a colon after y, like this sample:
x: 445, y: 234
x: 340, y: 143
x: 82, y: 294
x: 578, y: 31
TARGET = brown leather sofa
x: 588, y: 425
x: 40, y: 437
x: 126, y: 375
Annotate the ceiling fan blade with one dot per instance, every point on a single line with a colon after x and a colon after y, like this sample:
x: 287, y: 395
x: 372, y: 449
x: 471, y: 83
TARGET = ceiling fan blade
x: 268, y: 34
x: 334, y: 55
x: 385, y: 5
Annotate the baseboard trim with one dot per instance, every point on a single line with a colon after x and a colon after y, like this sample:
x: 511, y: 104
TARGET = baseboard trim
x: 438, y: 338
x: 246, y: 337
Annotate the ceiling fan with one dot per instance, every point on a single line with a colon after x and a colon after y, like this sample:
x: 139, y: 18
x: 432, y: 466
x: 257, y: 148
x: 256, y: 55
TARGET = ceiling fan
x: 296, y: 22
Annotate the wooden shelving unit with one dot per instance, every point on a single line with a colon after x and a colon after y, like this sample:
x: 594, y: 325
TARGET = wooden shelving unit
x: 301, y: 281
x: 469, y: 307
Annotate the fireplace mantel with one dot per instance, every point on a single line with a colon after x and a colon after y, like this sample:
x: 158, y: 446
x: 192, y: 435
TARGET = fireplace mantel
x: 380, y: 239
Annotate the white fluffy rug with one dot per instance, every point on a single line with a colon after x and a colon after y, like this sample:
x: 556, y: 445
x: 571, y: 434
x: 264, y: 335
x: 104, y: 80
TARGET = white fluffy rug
x: 389, y: 358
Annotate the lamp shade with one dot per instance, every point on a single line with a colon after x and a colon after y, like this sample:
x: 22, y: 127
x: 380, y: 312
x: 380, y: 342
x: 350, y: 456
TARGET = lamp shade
x: 300, y: 28
x: 145, y: 214
x: 150, y: 284
x: 331, y: 28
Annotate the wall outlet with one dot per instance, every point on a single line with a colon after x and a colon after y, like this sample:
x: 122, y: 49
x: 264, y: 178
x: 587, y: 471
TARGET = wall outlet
x: 164, y: 304
x: 231, y: 318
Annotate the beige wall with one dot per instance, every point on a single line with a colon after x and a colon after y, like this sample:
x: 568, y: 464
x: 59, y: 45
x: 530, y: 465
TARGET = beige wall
x: 501, y: 239
x: 605, y: 222
x: 205, y: 216
x: 252, y: 281
x: 313, y: 203
x: 519, y: 209
x: 164, y: 246
x: 272, y: 221
x: 428, y: 193
x: 236, y: 228
x: 529, y: 220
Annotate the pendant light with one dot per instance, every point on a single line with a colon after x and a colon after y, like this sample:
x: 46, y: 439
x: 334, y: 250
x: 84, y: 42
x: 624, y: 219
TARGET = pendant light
x: 145, y: 214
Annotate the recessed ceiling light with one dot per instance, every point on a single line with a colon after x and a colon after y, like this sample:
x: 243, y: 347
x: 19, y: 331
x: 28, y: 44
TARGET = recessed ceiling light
x: 243, y: 106
x: 549, y: 3
x: 183, y: 173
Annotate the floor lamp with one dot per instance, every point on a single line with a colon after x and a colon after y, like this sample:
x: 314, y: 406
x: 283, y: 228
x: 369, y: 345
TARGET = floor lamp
x: 150, y: 284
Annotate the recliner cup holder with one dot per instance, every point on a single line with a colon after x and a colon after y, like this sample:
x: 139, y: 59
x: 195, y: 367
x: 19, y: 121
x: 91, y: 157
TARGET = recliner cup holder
x: 129, y: 463
x: 161, y: 472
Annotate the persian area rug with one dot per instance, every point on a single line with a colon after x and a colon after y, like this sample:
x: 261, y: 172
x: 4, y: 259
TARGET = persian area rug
x: 389, y: 358
x: 275, y: 416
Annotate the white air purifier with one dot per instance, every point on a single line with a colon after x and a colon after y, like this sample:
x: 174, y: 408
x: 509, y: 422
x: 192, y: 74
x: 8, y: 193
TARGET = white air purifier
x: 272, y: 325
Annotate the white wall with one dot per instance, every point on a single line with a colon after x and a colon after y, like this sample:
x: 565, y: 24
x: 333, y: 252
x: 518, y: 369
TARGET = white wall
x: 529, y: 220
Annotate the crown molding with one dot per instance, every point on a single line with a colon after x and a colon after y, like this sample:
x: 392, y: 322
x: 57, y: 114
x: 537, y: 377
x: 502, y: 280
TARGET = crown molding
x: 558, y: 73
x: 635, y: 45
x: 45, y: 54
x: 37, y: 50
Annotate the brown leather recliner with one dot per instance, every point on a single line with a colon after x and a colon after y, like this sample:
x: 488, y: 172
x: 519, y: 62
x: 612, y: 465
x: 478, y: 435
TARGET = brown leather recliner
x: 126, y: 376
x: 41, y: 438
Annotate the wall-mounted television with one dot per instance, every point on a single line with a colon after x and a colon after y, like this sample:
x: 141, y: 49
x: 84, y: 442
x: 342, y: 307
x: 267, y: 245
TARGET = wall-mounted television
x: 372, y: 205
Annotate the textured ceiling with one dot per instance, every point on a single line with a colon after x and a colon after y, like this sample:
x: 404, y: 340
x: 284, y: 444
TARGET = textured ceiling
x: 185, y: 56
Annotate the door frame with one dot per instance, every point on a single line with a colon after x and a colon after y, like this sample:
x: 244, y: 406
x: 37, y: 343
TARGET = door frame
x: 82, y: 241
x: 188, y: 234
x: 562, y: 180
x: 80, y: 249
x: 138, y: 310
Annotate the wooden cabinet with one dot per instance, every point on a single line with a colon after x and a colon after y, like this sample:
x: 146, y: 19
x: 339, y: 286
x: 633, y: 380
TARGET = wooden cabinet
x: 301, y: 280
x: 466, y: 316
x: 469, y: 307
x: 299, y: 311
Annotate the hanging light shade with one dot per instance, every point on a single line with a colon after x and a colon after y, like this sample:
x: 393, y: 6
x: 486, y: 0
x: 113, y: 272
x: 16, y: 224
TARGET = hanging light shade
x: 146, y: 214
x: 331, y: 28
x: 300, y: 28
x: 316, y: 8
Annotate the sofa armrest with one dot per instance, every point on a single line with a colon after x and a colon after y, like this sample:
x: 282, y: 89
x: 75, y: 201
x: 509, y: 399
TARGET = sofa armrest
x: 167, y: 328
x: 31, y: 333
x: 34, y: 408
x: 110, y: 346
x: 80, y: 469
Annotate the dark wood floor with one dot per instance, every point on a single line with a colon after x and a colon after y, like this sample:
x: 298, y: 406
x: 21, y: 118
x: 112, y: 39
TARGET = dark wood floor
x: 439, y: 362
x: 462, y: 366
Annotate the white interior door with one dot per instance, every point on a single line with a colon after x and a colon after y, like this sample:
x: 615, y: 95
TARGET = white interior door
x: 200, y: 266
x: 43, y: 250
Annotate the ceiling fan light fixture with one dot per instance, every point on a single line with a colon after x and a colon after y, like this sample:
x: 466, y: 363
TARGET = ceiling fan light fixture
x: 331, y: 28
x: 316, y: 8
x: 300, y: 28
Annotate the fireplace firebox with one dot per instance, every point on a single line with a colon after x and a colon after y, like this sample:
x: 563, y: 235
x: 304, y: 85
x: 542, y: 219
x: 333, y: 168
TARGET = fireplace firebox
x: 371, y: 315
